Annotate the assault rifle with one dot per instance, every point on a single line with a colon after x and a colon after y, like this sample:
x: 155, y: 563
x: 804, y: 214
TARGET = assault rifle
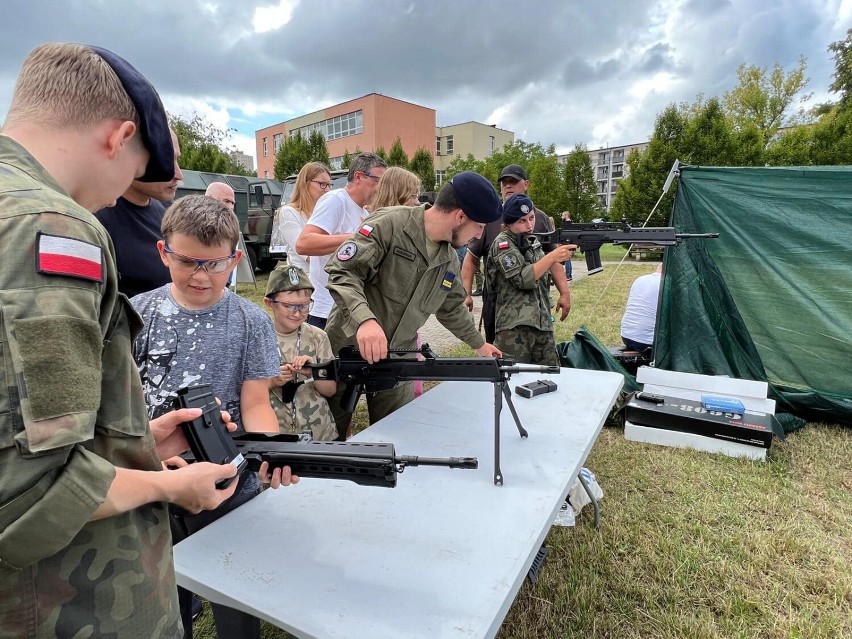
x: 359, y: 377
x: 365, y: 463
x: 590, y: 237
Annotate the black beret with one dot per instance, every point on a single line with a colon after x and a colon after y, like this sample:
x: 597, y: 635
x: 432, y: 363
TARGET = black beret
x: 153, y: 124
x: 516, y: 207
x: 476, y: 197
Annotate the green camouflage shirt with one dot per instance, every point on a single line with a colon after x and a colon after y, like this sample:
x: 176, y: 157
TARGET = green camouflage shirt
x: 71, y: 410
x: 519, y: 298
x: 312, y: 412
x: 384, y: 272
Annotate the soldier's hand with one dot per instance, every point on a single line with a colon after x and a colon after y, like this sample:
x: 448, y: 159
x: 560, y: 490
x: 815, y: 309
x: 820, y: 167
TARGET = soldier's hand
x: 564, y: 252
x: 489, y: 350
x: 279, y: 477
x: 563, y: 305
x: 372, y: 341
x: 169, y: 437
x: 194, y: 486
x: 468, y: 301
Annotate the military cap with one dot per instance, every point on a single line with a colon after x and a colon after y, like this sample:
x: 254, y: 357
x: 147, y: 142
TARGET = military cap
x: 289, y: 278
x: 513, y: 171
x: 476, y: 197
x: 516, y: 207
x: 153, y: 124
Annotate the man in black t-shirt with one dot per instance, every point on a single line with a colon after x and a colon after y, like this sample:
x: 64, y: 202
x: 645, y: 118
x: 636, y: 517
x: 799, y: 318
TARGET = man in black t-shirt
x: 133, y: 223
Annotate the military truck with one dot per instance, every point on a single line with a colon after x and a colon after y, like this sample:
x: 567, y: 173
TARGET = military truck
x: 256, y: 202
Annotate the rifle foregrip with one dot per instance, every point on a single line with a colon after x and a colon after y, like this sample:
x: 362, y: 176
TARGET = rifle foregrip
x: 350, y: 398
x: 593, y: 261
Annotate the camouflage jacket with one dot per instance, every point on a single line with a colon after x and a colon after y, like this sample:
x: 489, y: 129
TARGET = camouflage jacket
x: 312, y: 413
x: 71, y: 410
x: 384, y: 272
x: 520, y: 299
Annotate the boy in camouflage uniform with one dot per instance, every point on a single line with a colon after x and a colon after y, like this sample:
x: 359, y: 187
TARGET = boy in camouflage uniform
x: 515, y: 276
x: 85, y: 549
x: 288, y: 296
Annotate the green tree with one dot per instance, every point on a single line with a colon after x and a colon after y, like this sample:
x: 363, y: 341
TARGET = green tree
x: 382, y: 153
x: 763, y: 98
x: 347, y: 160
x: 203, y: 146
x: 578, y: 178
x: 792, y: 148
x: 639, y: 192
x: 318, y: 151
x: 547, y: 190
x: 842, y: 83
x: 467, y: 163
x: 708, y: 137
x: 423, y: 166
x: 398, y: 156
x: 293, y: 153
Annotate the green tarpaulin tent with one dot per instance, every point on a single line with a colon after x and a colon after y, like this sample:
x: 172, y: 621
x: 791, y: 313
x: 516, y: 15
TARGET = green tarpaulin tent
x: 771, y: 299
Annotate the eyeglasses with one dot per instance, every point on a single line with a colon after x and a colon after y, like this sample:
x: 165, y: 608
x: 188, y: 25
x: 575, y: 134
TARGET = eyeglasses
x: 323, y: 185
x: 187, y: 264
x: 294, y: 308
x: 375, y: 177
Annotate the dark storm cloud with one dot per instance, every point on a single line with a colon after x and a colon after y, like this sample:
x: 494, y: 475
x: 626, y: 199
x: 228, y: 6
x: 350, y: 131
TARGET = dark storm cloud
x: 552, y: 71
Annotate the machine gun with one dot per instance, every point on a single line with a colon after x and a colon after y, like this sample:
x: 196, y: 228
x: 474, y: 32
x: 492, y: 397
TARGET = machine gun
x: 365, y: 463
x: 359, y: 377
x: 590, y: 237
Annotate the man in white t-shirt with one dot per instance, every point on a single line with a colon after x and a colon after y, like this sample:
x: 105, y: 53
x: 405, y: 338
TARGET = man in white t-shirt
x: 337, y: 215
x: 640, y: 314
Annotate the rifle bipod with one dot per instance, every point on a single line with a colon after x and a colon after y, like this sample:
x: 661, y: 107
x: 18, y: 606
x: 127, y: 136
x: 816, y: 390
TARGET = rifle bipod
x: 501, y: 389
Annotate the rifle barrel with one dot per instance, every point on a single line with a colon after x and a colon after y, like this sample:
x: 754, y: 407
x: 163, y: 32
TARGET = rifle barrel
x: 450, y: 462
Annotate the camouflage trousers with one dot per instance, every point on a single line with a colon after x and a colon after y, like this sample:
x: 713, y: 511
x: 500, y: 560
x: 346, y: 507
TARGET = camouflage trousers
x: 528, y: 345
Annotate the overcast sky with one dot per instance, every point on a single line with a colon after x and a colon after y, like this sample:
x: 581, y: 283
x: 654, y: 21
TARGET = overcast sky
x: 560, y: 71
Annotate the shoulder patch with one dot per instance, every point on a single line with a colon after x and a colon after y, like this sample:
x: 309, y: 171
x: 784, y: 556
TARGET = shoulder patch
x: 509, y: 261
x: 447, y: 282
x: 365, y: 230
x: 68, y: 256
x: 403, y: 253
x: 504, y: 244
x: 347, y: 251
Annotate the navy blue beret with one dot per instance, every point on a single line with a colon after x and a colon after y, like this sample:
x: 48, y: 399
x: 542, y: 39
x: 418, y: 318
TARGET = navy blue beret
x: 476, y: 197
x: 516, y: 207
x: 153, y: 124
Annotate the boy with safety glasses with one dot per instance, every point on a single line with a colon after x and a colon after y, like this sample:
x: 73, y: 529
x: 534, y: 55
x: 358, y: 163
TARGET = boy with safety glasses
x: 198, y: 332
x: 288, y: 296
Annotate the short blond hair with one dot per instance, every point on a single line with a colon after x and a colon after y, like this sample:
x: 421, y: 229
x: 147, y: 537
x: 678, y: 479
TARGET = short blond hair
x: 64, y: 84
x: 395, y: 187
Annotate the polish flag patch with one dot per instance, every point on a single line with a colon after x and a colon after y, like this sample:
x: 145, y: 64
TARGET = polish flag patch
x: 68, y: 256
x: 366, y: 230
x: 503, y: 245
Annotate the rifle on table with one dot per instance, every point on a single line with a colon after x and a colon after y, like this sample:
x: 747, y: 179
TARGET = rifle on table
x: 365, y: 463
x: 590, y: 237
x: 359, y: 377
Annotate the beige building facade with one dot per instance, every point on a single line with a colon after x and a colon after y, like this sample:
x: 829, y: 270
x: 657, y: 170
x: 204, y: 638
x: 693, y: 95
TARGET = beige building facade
x: 475, y: 138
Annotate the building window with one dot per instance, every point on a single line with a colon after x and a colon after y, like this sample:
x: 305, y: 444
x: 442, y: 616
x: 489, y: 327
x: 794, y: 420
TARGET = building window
x: 335, y: 163
x: 449, y: 145
x: 491, y: 145
x: 334, y: 128
x: 602, y: 186
x: 277, y: 139
x: 265, y: 147
x: 603, y: 158
x: 602, y: 200
x: 603, y: 171
x: 437, y: 145
x: 265, y: 173
x: 439, y: 177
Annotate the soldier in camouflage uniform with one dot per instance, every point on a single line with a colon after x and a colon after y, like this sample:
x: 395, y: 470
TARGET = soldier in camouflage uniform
x: 514, y: 274
x: 288, y: 296
x: 399, y: 268
x: 85, y: 549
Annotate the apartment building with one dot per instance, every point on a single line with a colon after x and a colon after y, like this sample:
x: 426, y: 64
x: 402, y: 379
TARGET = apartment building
x: 365, y: 123
x: 376, y: 120
x: 610, y: 167
x: 480, y: 140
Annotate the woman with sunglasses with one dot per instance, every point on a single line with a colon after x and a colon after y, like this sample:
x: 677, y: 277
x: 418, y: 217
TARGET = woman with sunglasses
x: 313, y: 181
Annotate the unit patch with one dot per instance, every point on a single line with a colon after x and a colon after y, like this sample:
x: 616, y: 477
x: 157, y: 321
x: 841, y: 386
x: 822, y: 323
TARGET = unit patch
x: 447, y: 283
x: 347, y: 251
x: 68, y: 256
x: 509, y: 261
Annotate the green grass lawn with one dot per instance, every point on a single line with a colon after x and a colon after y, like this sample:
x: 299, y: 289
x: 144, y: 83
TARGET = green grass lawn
x: 691, y: 544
